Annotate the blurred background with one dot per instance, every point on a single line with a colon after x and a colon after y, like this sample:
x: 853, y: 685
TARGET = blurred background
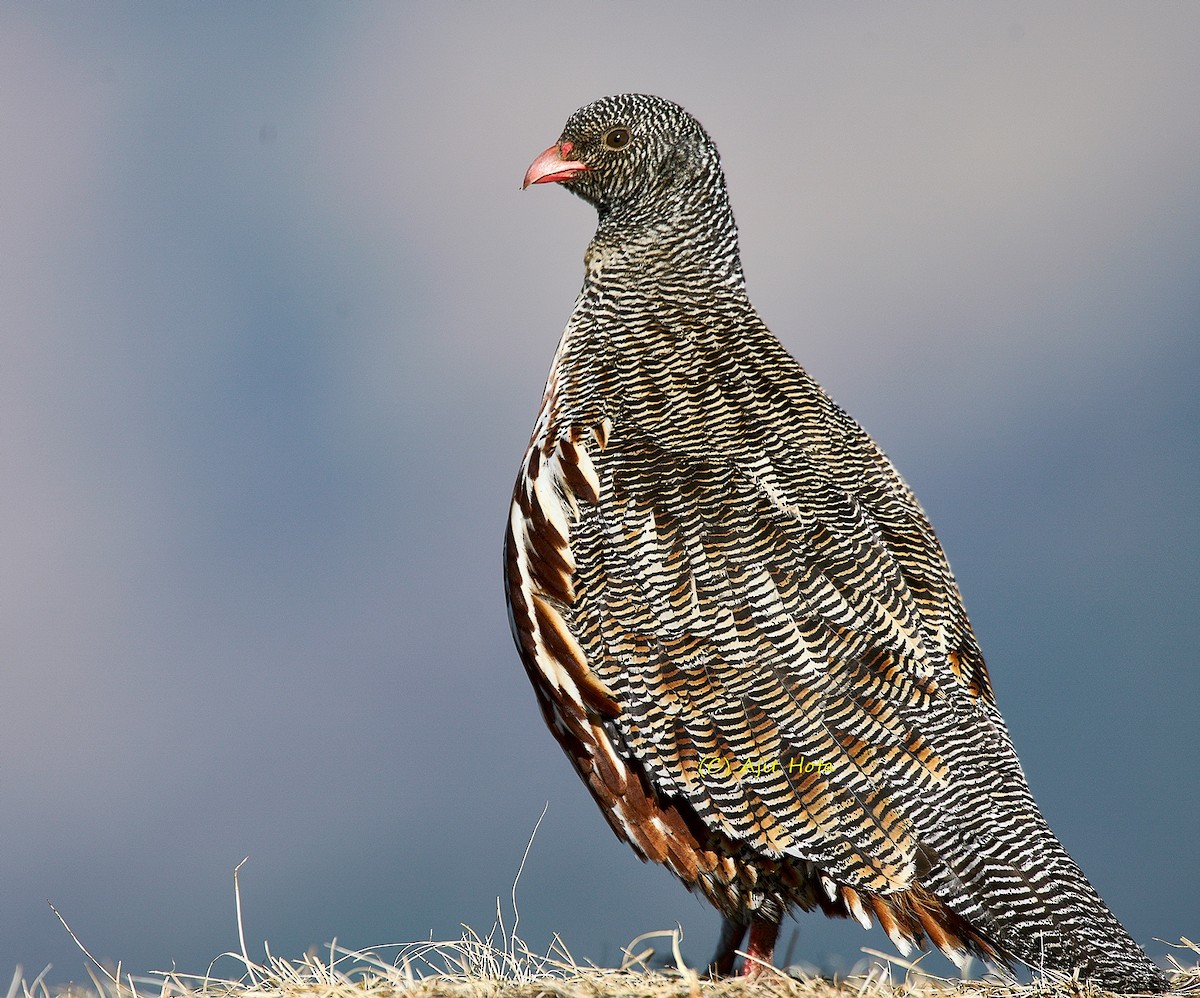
x: 275, y: 320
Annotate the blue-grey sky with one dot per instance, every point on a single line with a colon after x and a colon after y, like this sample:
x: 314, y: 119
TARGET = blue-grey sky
x: 275, y: 323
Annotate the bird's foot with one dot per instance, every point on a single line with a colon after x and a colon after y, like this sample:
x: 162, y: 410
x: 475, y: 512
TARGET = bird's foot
x: 732, y: 934
x: 760, y: 950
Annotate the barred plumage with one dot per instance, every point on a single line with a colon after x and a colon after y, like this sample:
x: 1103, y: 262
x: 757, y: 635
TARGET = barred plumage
x: 736, y: 617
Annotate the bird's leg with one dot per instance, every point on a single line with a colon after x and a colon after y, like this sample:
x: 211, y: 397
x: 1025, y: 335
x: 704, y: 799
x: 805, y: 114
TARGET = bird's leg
x: 732, y: 933
x: 761, y: 948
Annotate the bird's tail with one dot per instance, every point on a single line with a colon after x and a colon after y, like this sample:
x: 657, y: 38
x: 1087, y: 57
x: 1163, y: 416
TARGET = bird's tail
x: 1028, y: 897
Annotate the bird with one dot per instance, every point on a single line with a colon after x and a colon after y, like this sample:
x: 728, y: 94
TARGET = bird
x: 737, y: 619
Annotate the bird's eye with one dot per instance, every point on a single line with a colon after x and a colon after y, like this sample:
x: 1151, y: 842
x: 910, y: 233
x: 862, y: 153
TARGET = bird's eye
x: 616, y: 138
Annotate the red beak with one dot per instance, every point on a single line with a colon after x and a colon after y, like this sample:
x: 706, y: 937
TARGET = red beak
x: 552, y: 166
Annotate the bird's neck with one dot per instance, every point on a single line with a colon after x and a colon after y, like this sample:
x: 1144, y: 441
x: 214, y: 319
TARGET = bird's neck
x: 653, y: 284
x: 665, y: 248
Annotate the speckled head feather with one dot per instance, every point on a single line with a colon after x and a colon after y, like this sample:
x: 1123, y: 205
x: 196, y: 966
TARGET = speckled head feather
x: 643, y: 155
x: 737, y: 618
x: 654, y: 177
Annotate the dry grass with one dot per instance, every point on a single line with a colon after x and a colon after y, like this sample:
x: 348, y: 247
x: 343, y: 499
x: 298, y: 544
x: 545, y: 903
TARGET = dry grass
x: 474, y: 967
x: 500, y: 965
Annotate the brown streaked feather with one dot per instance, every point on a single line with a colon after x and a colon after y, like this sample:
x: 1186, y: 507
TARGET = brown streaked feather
x: 706, y: 598
x: 564, y: 649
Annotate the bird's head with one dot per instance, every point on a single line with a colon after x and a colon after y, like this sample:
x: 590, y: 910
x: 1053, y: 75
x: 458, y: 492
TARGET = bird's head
x: 631, y: 151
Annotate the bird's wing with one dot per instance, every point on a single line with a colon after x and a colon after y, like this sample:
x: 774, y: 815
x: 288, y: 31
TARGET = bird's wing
x: 771, y: 632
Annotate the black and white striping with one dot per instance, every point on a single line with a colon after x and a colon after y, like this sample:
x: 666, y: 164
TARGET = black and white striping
x: 736, y: 617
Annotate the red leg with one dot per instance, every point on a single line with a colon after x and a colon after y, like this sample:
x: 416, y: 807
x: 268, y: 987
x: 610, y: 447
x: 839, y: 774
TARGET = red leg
x: 762, y: 947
